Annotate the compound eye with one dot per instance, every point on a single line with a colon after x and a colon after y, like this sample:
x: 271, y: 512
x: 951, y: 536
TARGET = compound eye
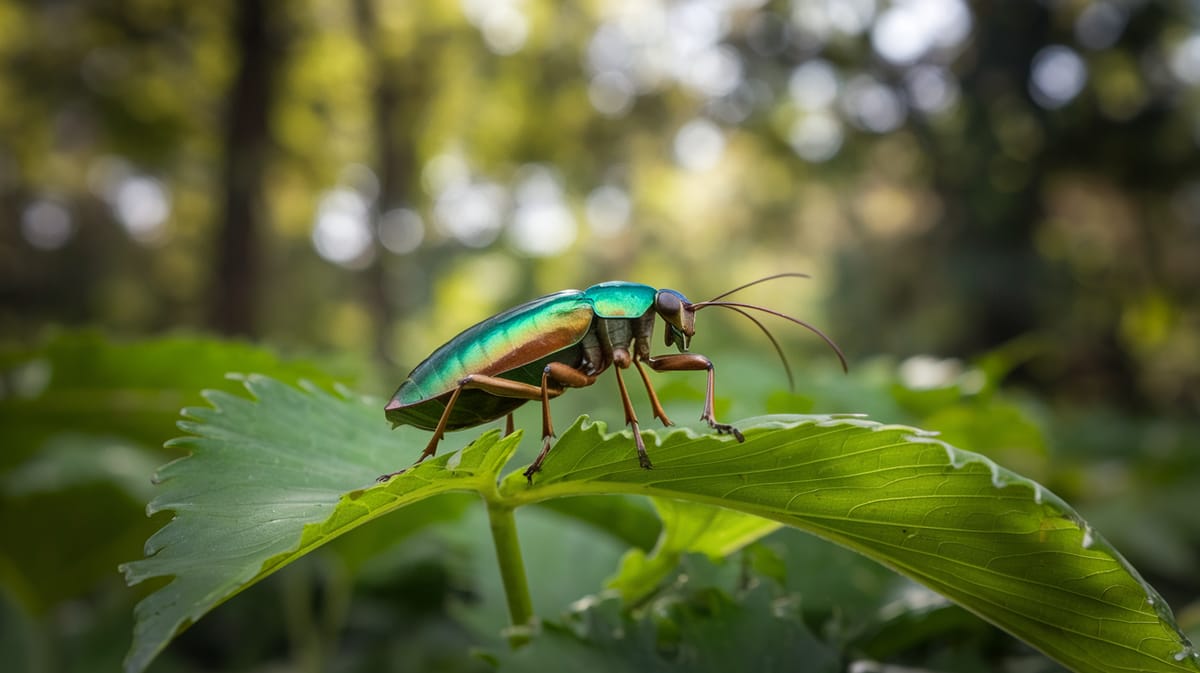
x: 668, y: 303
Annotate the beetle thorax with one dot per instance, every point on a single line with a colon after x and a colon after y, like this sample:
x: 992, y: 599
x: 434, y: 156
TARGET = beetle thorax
x: 617, y: 341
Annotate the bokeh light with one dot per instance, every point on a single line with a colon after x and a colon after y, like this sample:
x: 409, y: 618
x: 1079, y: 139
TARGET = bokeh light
x: 699, y: 145
x: 1185, y: 60
x: 608, y: 210
x: 401, y: 230
x: 47, y: 224
x: 1058, y: 75
x: 142, y: 205
x: 542, y: 225
x: 816, y: 136
x: 931, y: 88
x: 1100, y: 24
x: 471, y: 212
x: 872, y: 105
x: 813, y: 85
x: 611, y: 92
x: 909, y: 30
x: 504, y: 26
x: 341, y: 231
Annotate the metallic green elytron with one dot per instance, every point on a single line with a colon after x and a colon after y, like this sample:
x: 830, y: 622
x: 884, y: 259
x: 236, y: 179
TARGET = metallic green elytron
x: 537, y: 350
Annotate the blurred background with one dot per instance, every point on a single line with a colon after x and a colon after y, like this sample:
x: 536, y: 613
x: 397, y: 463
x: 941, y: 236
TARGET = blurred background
x: 998, y: 203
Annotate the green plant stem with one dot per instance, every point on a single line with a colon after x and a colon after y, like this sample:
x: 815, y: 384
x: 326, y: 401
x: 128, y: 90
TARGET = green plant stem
x: 512, y: 570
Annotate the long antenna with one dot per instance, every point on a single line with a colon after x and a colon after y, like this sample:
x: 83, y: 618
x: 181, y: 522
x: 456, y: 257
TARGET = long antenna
x: 778, y: 350
x: 756, y: 282
x: 811, y: 328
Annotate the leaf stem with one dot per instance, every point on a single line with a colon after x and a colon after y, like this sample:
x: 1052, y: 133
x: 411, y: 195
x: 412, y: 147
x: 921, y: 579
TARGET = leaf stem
x: 512, y: 571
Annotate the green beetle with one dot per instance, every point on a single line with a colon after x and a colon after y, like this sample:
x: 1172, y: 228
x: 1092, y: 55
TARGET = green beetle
x: 537, y: 350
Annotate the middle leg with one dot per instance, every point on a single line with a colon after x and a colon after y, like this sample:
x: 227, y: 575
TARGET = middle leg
x: 555, y: 377
x: 632, y: 421
x: 655, y: 405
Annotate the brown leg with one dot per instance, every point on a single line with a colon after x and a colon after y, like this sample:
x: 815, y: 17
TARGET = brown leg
x: 564, y: 376
x: 632, y: 421
x: 491, y: 384
x: 654, y: 403
x: 508, y: 425
x: 431, y: 447
x: 681, y: 362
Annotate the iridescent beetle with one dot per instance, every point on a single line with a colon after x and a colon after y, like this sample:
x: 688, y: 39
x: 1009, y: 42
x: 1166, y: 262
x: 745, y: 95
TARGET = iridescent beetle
x: 537, y: 350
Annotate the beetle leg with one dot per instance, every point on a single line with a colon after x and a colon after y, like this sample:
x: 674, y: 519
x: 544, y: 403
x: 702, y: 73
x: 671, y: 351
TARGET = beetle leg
x: 562, y: 375
x: 508, y: 424
x: 438, y: 433
x: 654, y: 403
x: 689, y: 362
x: 632, y: 421
x: 491, y: 384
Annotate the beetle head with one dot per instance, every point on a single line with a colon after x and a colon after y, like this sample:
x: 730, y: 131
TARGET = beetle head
x: 679, y: 315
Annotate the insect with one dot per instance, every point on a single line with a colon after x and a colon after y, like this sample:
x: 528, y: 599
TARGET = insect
x: 538, y: 350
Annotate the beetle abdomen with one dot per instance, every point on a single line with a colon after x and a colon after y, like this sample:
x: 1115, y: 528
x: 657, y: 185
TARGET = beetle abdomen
x: 498, y: 346
x: 475, y: 407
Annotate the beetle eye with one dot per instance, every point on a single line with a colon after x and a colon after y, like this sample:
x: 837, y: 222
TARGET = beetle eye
x: 667, y: 303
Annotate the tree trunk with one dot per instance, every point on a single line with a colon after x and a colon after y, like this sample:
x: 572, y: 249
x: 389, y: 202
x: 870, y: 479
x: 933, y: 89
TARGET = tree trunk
x: 247, y: 146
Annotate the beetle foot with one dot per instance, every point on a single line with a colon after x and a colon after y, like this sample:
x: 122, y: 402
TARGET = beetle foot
x: 385, y: 477
x: 536, y: 465
x: 530, y: 471
x: 643, y: 457
x: 644, y: 461
x: 727, y: 429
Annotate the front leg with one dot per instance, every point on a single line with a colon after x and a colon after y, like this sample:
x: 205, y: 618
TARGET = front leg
x: 691, y: 362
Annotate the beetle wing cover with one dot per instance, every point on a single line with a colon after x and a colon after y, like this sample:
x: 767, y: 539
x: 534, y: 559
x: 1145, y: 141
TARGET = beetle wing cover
x: 507, y: 341
x: 621, y: 299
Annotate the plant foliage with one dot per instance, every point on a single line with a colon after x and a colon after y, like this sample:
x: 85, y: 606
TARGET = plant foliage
x: 273, y: 477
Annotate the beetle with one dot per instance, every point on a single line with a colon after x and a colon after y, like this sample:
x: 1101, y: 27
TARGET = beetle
x: 539, y: 349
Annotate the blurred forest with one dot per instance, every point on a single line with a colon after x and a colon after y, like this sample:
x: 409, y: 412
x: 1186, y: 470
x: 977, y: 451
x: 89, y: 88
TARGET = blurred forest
x: 1013, y: 183
x: 371, y: 176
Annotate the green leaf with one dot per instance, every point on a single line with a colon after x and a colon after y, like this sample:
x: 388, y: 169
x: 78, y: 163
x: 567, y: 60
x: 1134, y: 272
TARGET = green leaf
x: 996, y: 543
x: 269, y: 480
x: 626, y: 518
x: 702, y: 631
x: 73, y: 507
x: 841, y: 589
x: 83, y: 419
x: 687, y: 528
x: 89, y: 383
x: 998, y: 429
